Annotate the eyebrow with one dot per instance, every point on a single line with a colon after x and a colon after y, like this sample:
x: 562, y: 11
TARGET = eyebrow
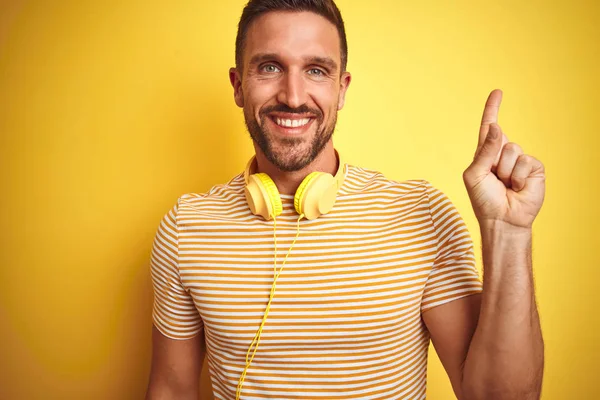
x: 326, y: 61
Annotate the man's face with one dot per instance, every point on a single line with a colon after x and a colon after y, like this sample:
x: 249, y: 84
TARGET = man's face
x: 291, y: 87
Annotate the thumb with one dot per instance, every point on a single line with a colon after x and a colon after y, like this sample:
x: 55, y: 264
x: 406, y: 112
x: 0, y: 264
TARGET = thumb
x: 485, y: 158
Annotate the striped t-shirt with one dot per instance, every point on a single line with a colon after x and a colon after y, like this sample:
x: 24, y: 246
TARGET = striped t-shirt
x: 345, y: 322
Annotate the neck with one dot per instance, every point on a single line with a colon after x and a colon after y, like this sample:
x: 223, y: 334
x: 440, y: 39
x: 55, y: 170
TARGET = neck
x: 288, y: 182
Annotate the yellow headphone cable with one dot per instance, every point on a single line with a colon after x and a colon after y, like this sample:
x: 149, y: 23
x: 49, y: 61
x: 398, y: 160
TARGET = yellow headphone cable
x: 276, y: 275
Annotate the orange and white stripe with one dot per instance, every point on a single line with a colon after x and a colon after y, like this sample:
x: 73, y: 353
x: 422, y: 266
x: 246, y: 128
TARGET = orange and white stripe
x: 345, y: 322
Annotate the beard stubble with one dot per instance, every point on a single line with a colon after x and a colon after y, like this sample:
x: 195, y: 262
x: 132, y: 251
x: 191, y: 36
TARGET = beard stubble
x: 287, y: 160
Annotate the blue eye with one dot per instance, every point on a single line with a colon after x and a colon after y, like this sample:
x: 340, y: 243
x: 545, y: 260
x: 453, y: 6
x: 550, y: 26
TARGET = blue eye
x: 270, y: 68
x: 316, y: 72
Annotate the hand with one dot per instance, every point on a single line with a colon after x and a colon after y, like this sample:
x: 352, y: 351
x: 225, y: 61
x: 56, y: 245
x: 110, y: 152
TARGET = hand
x: 504, y: 184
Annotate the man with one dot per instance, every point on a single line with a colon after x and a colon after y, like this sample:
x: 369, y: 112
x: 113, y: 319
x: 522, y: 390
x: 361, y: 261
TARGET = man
x: 367, y: 284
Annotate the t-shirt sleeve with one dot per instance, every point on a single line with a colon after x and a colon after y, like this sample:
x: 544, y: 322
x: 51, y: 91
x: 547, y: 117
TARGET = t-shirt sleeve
x: 174, y: 313
x: 454, y: 274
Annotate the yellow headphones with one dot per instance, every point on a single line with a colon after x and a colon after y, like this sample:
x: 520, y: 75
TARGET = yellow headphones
x: 315, y: 195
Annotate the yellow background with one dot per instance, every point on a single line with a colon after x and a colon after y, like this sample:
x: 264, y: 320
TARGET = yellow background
x: 111, y: 110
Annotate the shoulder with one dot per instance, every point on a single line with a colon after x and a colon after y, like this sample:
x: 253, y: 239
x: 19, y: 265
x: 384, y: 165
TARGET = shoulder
x: 374, y: 187
x: 363, y: 181
x: 221, y: 199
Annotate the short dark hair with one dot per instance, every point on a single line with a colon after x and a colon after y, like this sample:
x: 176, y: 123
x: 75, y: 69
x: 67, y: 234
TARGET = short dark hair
x: 256, y: 8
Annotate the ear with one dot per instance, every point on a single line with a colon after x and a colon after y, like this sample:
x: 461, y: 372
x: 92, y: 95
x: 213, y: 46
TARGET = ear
x: 344, y: 83
x: 236, y: 81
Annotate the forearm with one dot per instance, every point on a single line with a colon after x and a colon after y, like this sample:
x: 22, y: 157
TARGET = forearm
x: 170, y: 389
x: 506, y: 355
x: 166, y: 393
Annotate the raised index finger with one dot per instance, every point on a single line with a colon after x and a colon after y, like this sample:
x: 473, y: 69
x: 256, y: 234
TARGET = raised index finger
x: 490, y: 114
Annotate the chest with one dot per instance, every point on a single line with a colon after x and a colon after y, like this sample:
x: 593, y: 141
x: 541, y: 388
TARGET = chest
x: 340, y: 284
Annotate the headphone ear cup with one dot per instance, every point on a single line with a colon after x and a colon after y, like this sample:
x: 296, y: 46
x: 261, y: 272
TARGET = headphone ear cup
x: 263, y: 197
x: 315, y: 195
x: 300, y: 192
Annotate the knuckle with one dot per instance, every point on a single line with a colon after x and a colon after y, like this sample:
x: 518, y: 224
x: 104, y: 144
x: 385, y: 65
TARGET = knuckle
x: 526, y: 159
x: 517, y: 177
x: 512, y: 147
x: 517, y: 182
x: 503, y: 172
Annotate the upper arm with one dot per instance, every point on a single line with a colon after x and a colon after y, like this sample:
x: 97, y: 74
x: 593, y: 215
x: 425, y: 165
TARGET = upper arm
x: 451, y: 327
x: 178, y: 346
x: 452, y: 294
x: 176, y: 367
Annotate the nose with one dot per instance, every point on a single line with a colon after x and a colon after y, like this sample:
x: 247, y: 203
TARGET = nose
x: 292, y: 91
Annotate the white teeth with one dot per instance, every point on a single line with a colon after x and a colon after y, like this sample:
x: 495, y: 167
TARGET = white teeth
x: 292, y: 123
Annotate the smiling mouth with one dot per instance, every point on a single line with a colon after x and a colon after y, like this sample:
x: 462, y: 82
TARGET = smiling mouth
x: 291, y: 122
